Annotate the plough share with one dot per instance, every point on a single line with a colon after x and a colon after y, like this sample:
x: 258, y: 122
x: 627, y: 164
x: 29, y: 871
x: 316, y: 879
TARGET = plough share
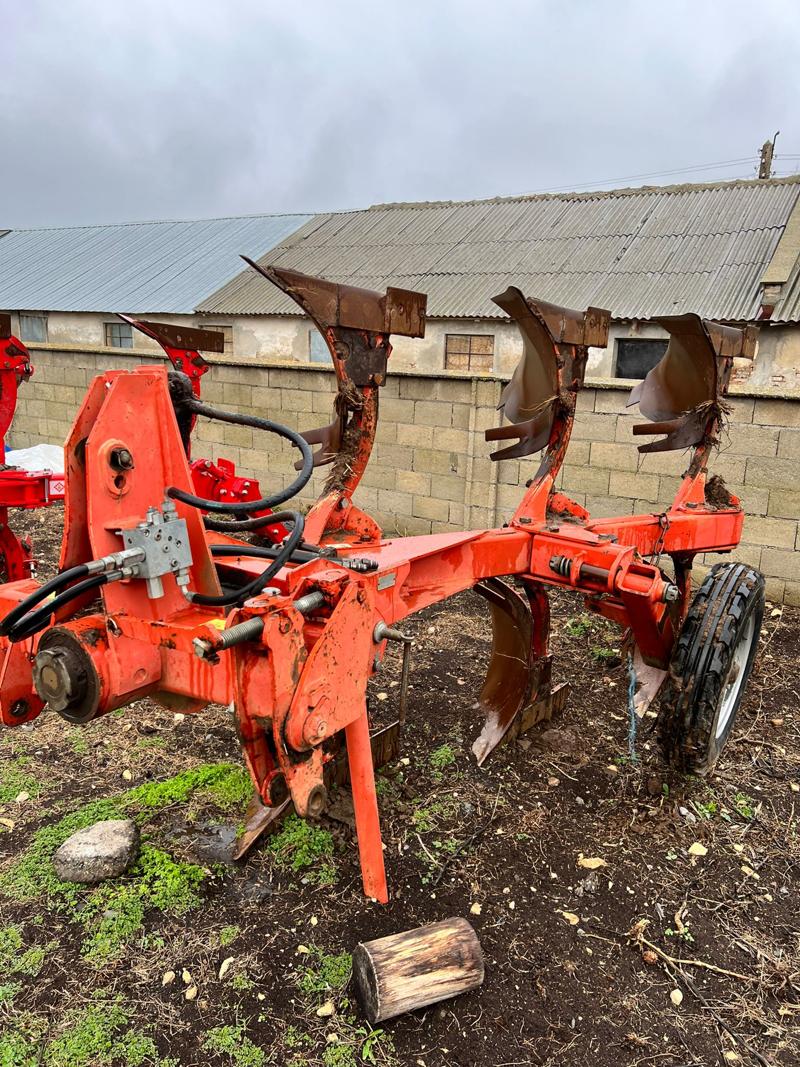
x: 158, y: 597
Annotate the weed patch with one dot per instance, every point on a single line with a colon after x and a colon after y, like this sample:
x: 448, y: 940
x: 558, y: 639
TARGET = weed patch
x: 232, y: 1041
x: 228, y: 934
x: 441, y: 758
x: 325, y: 974
x: 13, y: 960
x: 90, y: 1037
x: 299, y: 846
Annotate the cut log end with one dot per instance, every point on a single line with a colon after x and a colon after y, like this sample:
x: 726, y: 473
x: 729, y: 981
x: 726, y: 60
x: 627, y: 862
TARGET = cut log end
x: 416, y: 968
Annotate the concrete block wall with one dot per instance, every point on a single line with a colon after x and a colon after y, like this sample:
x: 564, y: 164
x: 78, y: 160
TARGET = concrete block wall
x: 430, y: 468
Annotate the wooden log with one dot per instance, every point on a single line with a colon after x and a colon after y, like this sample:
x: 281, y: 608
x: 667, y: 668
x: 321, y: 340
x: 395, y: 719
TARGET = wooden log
x: 416, y: 968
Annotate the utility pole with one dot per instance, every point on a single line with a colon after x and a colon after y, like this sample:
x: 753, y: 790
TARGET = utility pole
x: 767, y: 151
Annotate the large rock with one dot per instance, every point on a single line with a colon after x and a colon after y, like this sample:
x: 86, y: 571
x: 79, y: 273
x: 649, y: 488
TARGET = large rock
x: 101, y: 851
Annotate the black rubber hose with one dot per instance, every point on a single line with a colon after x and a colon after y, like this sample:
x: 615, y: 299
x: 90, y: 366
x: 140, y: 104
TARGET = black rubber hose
x: 298, y: 556
x: 254, y: 587
x: 237, y: 525
x: 30, y: 602
x: 249, y: 505
x: 36, y: 620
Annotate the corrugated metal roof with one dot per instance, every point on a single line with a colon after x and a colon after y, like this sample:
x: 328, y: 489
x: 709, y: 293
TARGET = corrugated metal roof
x: 140, y: 267
x: 639, y: 252
x: 788, y: 307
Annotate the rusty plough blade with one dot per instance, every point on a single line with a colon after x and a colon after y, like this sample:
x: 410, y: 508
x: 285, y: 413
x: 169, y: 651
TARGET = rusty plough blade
x: 517, y: 691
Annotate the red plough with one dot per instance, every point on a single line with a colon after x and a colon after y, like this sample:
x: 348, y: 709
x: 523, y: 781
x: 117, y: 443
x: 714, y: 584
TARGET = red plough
x: 18, y: 488
x: 175, y: 607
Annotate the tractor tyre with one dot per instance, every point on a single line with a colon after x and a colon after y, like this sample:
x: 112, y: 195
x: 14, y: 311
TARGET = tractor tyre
x: 710, y: 665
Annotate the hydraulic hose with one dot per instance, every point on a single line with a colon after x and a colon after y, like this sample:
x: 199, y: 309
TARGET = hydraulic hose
x: 38, y: 619
x: 54, y: 585
x: 253, y: 588
x: 238, y: 525
x: 198, y: 408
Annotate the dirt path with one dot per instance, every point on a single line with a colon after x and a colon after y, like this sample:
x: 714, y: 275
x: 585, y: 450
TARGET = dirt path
x: 191, y: 960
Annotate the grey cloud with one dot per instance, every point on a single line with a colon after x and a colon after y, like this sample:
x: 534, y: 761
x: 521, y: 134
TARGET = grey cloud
x: 113, y: 111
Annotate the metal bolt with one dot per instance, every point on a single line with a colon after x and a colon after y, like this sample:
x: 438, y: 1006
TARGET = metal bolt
x: 121, y: 459
x: 20, y: 708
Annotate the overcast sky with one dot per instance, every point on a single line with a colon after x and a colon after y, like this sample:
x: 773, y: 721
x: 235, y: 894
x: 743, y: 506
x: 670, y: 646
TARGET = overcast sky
x: 119, y: 110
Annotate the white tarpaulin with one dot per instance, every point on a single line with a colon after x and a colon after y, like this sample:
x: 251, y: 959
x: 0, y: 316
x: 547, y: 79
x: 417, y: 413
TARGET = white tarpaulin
x: 37, y: 458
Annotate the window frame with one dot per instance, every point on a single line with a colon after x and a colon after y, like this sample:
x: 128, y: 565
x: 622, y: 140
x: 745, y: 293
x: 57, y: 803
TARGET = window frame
x: 40, y: 316
x: 108, y: 333
x: 622, y: 342
x: 470, y: 354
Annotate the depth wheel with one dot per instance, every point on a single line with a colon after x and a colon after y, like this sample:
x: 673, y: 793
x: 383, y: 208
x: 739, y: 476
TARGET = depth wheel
x: 710, y: 666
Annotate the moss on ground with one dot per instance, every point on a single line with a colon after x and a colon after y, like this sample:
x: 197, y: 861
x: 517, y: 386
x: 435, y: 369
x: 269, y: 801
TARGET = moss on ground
x: 113, y: 913
x: 16, y: 779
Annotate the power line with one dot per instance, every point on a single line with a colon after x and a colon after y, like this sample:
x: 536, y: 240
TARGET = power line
x: 652, y: 174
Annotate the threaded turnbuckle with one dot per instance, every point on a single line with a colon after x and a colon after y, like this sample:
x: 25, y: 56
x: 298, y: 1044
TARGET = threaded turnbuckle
x: 248, y: 630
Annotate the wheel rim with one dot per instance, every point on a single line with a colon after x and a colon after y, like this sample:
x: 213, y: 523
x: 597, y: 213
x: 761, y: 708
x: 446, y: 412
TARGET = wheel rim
x: 735, y: 678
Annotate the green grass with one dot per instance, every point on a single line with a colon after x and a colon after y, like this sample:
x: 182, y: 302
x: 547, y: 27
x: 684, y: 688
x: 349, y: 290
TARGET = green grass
x: 299, y: 846
x: 77, y: 742
x: 233, y: 1043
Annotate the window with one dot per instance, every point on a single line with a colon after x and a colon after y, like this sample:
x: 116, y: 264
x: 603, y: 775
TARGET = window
x: 119, y: 335
x: 318, y: 351
x: 227, y: 336
x: 636, y: 357
x: 469, y: 351
x: 32, y: 327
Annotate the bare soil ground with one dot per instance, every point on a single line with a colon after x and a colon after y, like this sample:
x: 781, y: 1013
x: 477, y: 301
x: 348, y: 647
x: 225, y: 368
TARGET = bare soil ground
x: 628, y: 915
